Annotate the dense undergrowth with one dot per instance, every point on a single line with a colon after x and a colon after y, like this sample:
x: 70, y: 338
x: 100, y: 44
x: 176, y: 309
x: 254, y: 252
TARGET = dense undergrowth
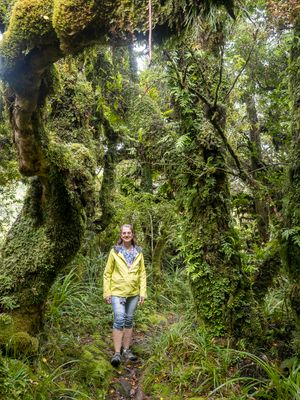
x: 180, y: 359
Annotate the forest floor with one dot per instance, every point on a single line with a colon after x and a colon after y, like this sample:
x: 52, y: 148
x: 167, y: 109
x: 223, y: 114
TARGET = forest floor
x: 126, y: 383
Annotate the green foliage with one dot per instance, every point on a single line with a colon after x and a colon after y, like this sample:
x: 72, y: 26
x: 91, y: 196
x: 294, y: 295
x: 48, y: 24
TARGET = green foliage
x: 276, y: 384
x: 186, y: 361
x: 171, y: 177
x: 15, y: 379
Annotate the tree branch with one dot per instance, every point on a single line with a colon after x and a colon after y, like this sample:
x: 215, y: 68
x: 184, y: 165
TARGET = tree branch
x: 242, y: 69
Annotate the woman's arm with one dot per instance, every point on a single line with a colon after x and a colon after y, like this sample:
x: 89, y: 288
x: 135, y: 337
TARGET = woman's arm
x: 143, y: 281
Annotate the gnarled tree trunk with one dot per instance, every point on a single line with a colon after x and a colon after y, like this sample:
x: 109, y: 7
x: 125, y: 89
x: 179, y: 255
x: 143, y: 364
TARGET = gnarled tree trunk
x: 49, y: 230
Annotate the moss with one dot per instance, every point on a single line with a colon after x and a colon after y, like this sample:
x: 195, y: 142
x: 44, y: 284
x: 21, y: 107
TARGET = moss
x: 23, y: 343
x: 99, y: 342
x: 77, y: 163
x: 29, y: 23
x: 15, y: 341
x: 157, y: 319
x: 163, y: 391
x: 74, y: 157
x: 70, y: 16
x: 24, y: 253
x: 5, y: 320
x: 94, y: 368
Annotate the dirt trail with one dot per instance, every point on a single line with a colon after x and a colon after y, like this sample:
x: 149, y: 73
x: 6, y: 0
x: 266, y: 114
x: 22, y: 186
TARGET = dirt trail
x: 126, y: 384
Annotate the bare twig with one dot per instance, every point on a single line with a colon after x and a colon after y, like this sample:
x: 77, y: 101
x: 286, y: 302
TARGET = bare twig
x: 243, y: 67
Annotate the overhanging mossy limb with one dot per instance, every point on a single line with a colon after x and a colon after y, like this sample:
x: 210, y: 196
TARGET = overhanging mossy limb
x: 29, y: 23
x: 70, y: 17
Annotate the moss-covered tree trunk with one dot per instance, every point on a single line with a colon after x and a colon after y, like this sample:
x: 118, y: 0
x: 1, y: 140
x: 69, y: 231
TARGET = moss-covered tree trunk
x: 49, y: 230
x: 210, y: 243
x: 292, y: 216
x: 220, y: 288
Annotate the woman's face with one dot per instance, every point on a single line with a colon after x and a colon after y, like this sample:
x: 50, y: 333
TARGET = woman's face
x: 126, y: 235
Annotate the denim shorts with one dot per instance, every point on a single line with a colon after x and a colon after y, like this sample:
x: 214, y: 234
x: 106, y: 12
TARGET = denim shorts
x: 123, y: 308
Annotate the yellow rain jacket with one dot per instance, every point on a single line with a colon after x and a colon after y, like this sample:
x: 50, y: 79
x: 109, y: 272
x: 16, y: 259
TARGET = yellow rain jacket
x: 119, y: 280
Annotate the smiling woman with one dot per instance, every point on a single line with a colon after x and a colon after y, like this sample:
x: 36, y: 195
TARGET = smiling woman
x: 124, y: 287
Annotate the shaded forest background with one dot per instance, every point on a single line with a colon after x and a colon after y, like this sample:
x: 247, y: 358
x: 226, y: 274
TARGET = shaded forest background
x: 190, y: 133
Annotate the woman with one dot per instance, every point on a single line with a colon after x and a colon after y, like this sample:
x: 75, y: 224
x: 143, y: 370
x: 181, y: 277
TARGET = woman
x: 124, y: 286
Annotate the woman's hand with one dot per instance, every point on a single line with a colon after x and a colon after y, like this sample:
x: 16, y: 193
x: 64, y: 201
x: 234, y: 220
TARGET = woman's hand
x: 142, y: 299
x: 108, y: 299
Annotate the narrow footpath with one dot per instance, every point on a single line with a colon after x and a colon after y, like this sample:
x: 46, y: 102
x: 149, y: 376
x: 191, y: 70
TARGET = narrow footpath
x: 126, y: 383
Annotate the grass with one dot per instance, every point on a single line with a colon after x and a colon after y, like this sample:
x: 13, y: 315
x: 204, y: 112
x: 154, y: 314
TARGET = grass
x: 186, y: 359
x: 71, y: 344
x: 182, y: 360
x: 272, y: 384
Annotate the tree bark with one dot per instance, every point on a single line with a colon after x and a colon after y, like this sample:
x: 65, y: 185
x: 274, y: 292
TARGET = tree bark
x: 220, y: 288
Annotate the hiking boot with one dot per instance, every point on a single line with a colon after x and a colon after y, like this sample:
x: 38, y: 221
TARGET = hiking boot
x: 116, y: 360
x: 128, y: 355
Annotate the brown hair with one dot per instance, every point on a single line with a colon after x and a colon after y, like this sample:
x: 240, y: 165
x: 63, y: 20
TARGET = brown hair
x: 133, y: 240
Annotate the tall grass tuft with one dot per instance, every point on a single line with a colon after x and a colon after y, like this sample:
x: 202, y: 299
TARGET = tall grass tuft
x: 273, y: 384
x: 186, y: 360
